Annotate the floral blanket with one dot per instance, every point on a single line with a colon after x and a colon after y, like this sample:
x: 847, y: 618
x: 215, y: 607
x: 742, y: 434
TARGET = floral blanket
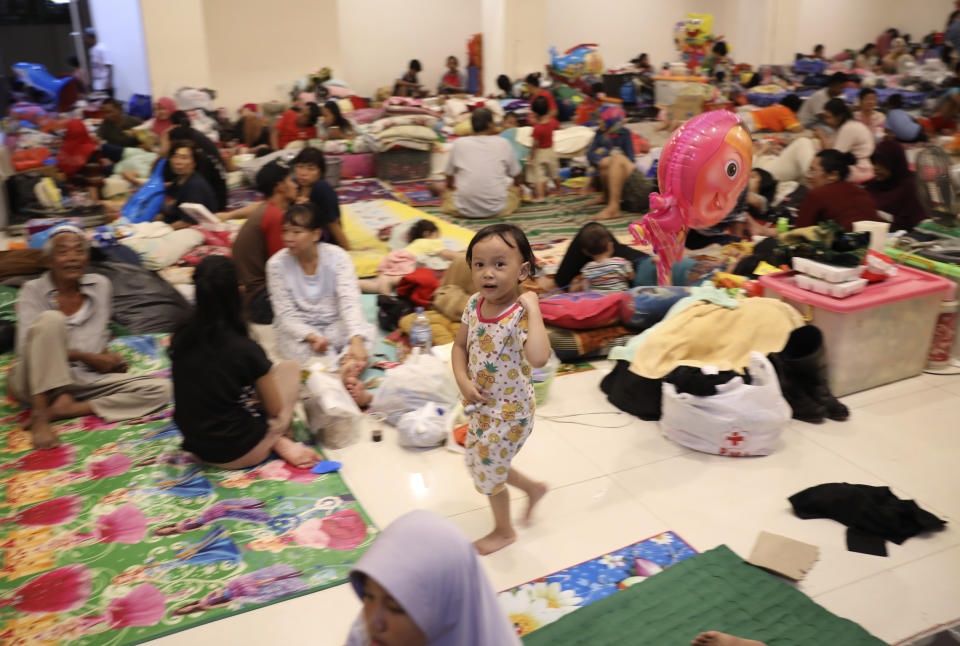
x: 117, y: 537
x: 535, y: 604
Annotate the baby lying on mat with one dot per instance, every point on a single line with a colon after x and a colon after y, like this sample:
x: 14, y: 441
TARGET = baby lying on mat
x: 425, y: 249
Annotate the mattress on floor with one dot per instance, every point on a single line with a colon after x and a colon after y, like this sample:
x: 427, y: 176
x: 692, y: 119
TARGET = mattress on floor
x: 715, y: 590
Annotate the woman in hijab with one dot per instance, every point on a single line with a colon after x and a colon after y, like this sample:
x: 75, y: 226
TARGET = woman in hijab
x: 624, y: 187
x: 893, y: 185
x: 80, y: 159
x: 422, y: 584
x: 161, y: 116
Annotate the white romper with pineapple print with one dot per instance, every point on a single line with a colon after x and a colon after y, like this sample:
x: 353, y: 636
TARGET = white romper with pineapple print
x: 496, y: 362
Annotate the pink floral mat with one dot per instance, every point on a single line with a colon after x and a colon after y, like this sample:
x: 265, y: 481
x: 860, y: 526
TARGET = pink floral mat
x: 118, y: 537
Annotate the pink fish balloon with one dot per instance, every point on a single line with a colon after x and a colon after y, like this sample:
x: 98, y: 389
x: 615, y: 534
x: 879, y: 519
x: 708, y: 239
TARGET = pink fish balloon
x: 703, y: 169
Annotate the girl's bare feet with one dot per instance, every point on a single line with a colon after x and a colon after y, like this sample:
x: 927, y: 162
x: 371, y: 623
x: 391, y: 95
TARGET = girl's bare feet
x: 296, y: 454
x: 715, y: 638
x: 493, y: 541
x: 350, y: 369
x: 538, y: 491
x: 358, y: 391
x: 596, y: 200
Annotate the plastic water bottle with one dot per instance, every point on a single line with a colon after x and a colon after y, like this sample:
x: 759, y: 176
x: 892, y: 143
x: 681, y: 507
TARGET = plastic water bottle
x: 421, y: 337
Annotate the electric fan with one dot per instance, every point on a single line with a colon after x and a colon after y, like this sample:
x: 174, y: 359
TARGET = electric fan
x: 936, y: 193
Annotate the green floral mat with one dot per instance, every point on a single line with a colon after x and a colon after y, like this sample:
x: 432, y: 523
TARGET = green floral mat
x: 559, y: 218
x: 118, y: 537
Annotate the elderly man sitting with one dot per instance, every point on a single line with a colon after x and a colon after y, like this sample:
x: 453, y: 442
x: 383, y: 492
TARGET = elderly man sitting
x: 63, y: 368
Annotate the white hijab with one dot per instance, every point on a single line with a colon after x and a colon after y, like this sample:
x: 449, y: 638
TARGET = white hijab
x: 433, y: 571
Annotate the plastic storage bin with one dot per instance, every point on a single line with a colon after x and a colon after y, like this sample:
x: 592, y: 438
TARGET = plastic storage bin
x: 881, y: 335
x: 836, y: 290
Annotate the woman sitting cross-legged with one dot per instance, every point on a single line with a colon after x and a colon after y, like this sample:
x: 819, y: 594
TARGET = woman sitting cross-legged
x: 851, y: 136
x: 316, y: 301
x: 188, y: 186
x: 63, y: 368
x: 611, y: 153
x: 233, y: 406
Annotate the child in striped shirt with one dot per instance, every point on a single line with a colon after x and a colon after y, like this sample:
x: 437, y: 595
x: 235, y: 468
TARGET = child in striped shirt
x: 605, y: 272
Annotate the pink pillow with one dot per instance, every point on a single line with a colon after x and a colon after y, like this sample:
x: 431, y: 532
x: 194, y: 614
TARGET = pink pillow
x: 338, y: 92
x: 195, y: 255
x: 582, y: 310
x: 217, y: 238
x: 366, y: 115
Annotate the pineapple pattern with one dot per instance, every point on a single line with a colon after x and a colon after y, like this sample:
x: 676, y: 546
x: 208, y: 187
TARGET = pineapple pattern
x: 496, y: 362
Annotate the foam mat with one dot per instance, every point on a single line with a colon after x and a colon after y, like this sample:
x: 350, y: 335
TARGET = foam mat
x: 715, y: 590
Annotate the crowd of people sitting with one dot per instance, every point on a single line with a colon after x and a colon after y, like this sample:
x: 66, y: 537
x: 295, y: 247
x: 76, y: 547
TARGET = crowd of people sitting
x: 291, y: 270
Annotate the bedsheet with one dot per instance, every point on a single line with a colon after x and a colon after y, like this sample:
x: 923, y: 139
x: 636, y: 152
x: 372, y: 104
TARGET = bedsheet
x: 362, y: 221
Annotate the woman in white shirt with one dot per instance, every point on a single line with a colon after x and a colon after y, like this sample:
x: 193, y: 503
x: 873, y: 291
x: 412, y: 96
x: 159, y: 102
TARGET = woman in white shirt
x: 868, y: 114
x: 850, y: 136
x: 316, y: 301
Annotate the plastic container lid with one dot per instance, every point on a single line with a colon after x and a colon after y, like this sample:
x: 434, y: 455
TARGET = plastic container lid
x: 908, y: 283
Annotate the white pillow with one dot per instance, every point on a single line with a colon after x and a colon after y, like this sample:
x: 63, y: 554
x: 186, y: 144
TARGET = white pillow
x: 164, y: 250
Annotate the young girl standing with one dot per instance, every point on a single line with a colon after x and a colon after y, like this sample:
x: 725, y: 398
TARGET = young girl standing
x: 501, y: 336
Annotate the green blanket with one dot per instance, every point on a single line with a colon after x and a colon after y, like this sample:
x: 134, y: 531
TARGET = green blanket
x: 715, y: 590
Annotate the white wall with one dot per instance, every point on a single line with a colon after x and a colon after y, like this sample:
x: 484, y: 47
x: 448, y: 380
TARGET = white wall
x: 119, y: 27
x: 379, y: 37
x: 631, y: 26
x: 257, y: 51
x: 494, y: 19
x: 254, y: 52
x: 853, y: 23
x: 525, y: 47
x: 175, y: 35
x: 772, y: 31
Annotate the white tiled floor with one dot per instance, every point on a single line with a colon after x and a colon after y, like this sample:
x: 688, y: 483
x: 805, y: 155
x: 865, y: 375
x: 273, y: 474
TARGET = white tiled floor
x: 613, y: 486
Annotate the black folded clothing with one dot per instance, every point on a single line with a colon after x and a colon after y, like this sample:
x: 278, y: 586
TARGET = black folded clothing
x: 873, y: 515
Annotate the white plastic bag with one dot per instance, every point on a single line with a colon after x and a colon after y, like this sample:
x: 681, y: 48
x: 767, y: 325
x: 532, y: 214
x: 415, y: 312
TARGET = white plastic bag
x: 425, y: 427
x: 740, y: 420
x: 422, y: 379
x: 332, y: 415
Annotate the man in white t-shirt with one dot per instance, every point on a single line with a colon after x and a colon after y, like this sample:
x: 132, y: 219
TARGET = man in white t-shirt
x: 101, y: 63
x: 811, y: 112
x: 482, y: 172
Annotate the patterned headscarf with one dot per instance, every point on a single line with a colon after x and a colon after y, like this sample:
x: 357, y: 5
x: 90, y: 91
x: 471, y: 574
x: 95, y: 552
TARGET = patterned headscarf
x: 613, y: 117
